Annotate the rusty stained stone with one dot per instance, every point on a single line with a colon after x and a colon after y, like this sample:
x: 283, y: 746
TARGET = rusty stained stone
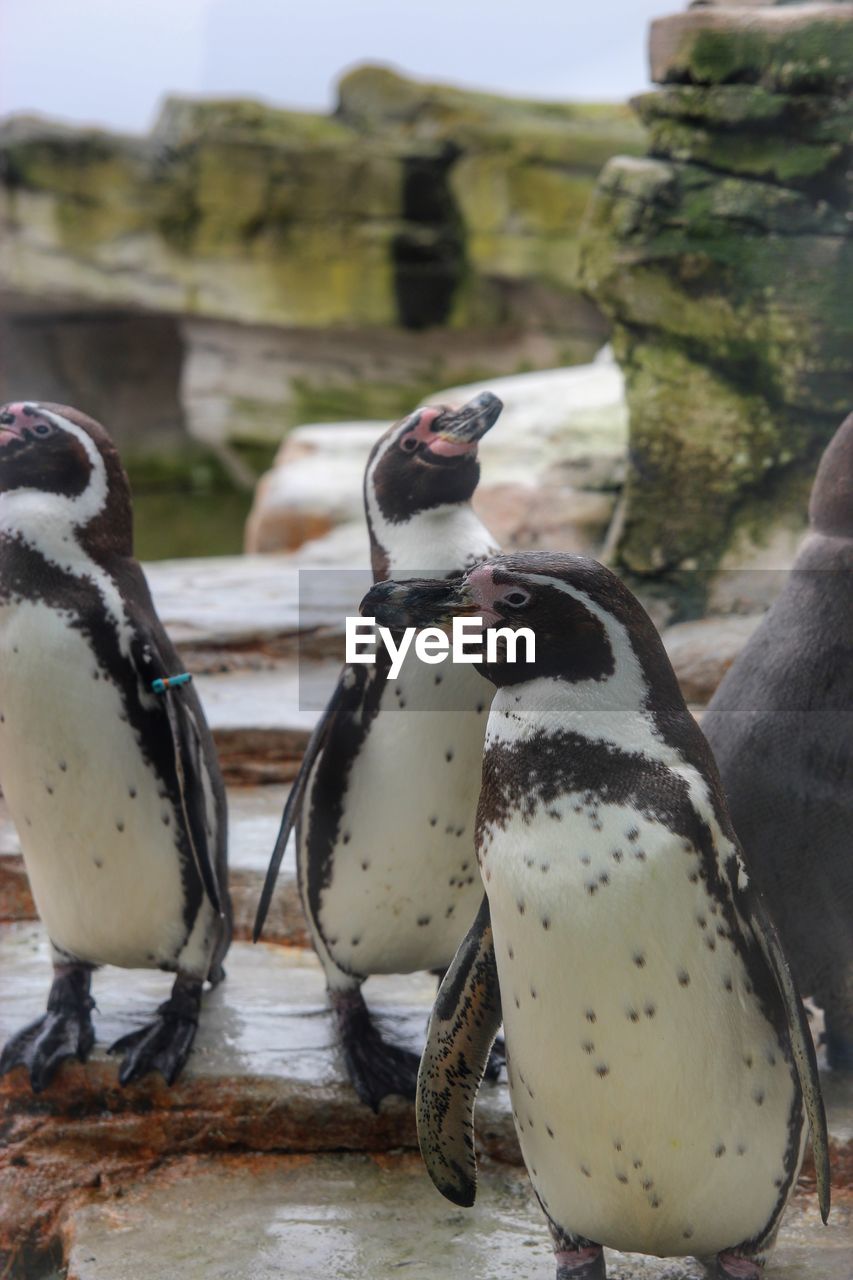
x: 16, y: 900
x: 264, y: 1076
x: 260, y: 1215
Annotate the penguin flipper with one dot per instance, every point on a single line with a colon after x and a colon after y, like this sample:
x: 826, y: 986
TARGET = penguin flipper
x: 186, y: 740
x: 463, y: 1026
x: 802, y: 1045
x: 292, y: 808
x: 155, y: 657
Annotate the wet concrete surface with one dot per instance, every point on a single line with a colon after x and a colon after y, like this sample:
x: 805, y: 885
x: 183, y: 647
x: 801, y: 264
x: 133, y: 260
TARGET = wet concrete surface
x: 264, y: 1072
x: 192, y: 1181
x: 354, y: 1217
x: 264, y: 1076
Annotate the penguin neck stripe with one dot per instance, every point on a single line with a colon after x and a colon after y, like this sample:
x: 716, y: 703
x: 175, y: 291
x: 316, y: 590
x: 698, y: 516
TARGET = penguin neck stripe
x: 50, y: 523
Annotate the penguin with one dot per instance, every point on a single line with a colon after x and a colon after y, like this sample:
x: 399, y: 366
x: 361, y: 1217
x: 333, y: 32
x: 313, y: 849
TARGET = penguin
x: 660, y: 1064
x: 781, y: 727
x: 108, y: 769
x: 385, y: 799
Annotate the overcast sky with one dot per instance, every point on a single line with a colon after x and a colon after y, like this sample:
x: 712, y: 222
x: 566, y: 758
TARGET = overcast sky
x: 110, y: 62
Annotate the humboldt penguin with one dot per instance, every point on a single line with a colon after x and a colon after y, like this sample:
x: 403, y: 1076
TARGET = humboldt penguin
x: 781, y: 728
x: 106, y: 761
x: 384, y: 802
x: 659, y: 1060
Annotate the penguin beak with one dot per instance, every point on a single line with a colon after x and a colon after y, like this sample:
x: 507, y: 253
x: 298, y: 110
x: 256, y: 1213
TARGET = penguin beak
x: 461, y: 429
x: 419, y: 602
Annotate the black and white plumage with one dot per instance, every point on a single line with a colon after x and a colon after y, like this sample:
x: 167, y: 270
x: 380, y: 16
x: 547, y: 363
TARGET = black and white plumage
x: 657, y: 1052
x: 385, y: 800
x: 114, y: 789
x: 781, y: 728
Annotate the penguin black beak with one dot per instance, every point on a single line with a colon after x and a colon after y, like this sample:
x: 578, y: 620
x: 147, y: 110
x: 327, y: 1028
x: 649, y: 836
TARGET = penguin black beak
x: 419, y: 602
x: 472, y: 421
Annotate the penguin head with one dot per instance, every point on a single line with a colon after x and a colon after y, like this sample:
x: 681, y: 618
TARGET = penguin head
x: 428, y: 459
x: 58, y: 465
x: 831, y: 504
x: 589, y: 629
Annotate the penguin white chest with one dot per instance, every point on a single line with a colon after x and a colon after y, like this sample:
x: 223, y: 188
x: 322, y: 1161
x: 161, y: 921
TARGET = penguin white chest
x: 404, y: 884
x: 97, y: 831
x: 654, y: 1104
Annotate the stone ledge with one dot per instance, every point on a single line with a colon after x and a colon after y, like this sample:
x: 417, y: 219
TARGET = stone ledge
x: 363, y: 1217
x: 264, y: 1076
x: 797, y: 47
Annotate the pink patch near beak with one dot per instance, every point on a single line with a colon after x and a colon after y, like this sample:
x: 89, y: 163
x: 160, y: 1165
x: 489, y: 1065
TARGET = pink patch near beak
x: 481, y: 585
x: 451, y: 448
x: 11, y: 430
x: 444, y: 446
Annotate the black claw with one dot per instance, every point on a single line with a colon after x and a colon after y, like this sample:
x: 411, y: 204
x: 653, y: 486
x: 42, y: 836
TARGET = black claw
x: 65, y: 1031
x: 164, y: 1045
x: 375, y: 1067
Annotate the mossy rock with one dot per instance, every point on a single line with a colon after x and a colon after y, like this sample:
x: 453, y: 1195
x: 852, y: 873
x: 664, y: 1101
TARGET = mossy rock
x: 699, y: 445
x: 184, y: 122
x: 95, y: 181
x: 802, y: 48
x: 809, y: 117
x: 238, y: 211
x: 778, y: 158
x: 732, y: 268
x: 378, y: 99
x: 784, y: 138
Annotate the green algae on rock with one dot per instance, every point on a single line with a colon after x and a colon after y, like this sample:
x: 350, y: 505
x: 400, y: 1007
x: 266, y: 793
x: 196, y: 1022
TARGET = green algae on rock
x: 724, y: 260
x: 421, y: 235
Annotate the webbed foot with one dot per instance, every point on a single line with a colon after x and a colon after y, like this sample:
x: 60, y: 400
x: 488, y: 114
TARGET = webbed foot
x: 164, y: 1045
x: 375, y: 1067
x: 586, y: 1263
x: 731, y: 1266
x: 65, y: 1031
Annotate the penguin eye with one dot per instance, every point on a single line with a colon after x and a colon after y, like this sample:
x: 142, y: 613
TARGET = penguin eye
x: 515, y: 599
x: 408, y: 444
x: 41, y: 429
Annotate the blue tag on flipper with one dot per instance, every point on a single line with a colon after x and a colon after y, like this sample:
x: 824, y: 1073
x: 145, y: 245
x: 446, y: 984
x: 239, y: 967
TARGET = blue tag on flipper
x: 171, y: 682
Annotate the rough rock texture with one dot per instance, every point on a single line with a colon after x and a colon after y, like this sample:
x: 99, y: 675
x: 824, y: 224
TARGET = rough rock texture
x: 362, y: 1217
x: 702, y: 652
x: 519, y: 176
x: 263, y: 1077
x: 550, y: 470
x: 264, y: 1082
x: 725, y: 260
x: 299, y: 259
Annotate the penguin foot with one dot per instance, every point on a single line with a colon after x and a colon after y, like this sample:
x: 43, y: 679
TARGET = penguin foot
x: 164, y: 1045
x: 731, y: 1266
x: 65, y: 1031
x: 497, y: 1060
x: 586, y: 1263
x: 375, y: 1067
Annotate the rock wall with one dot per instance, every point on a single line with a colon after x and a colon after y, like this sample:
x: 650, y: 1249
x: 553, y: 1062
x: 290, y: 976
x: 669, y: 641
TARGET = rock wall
x: 723, y: 259
x: 420, y: 235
